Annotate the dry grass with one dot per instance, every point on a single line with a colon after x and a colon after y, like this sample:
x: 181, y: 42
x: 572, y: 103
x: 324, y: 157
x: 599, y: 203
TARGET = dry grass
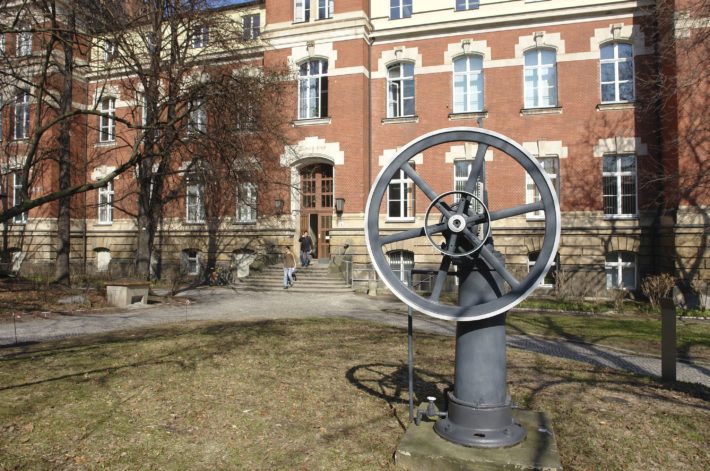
x: 312, y: 394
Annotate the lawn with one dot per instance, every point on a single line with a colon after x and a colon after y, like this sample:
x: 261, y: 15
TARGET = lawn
x: 310, y: 394
x: 638, y: 332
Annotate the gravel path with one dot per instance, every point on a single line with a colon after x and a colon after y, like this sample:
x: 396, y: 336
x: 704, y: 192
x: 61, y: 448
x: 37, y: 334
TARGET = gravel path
x: 225, y: 304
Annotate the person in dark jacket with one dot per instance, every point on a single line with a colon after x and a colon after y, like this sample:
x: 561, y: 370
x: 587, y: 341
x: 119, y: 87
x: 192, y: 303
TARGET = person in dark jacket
x: 306, y: 248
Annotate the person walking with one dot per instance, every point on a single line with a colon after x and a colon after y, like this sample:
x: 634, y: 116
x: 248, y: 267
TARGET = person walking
x: 306, y: 248
x: 289, y: 267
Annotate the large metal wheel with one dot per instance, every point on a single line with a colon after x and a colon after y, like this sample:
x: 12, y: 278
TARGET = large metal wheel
x: 463, y: 227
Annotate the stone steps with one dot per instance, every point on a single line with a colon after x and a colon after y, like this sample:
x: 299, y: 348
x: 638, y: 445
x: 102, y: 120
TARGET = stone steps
x: 313, y: 279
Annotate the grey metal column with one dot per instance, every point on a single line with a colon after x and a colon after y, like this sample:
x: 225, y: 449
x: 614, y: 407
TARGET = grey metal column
x: 479, y: 411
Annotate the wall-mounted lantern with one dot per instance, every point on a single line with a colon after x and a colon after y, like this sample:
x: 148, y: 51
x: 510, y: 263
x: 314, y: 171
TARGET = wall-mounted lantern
x: 339, y: 206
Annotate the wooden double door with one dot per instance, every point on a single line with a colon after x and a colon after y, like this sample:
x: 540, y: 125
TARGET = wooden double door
x: 317, y: 206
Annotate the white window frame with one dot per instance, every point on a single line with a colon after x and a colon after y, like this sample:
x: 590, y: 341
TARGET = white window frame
x: 194, y: 202
x: 197, y: 118
x: 460, y: 181
x: 532, y: 195
x: 105, y: 204
x: 200, y: 36
x: 246, y: 205
x: 2, y: 44
x: 109, y: 50
x: 400, y: 9
x: 614, y: 261
x: 192, y: 261
x: 462, y: 5
x: 472, y: 99
x: 21, y: 115
x: 616, y: 62
x: 396, y: 87
x: 103, y: 259
x: 107, y: 120
x: 301, y: 11
x: 547, y: 281
x: 401, y: 262
x: 313, y: 90
x: 251, y: 26
x: 618, y: 175
x: 325, y: 9
x: 24, y: 43
x: 534, y: 95
x: 405, y: 203
x: 17, y: 198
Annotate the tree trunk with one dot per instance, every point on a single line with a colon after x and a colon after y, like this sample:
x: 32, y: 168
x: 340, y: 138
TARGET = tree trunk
x: 62, y: 273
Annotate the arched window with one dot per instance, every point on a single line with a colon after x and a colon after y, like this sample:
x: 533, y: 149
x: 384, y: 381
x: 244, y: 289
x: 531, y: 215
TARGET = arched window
x: 620, y: 268
x: 401, y: 262
x: 103, y: 259
x: 400, y: 90
x: 550, y: 277
x: 540, y: 78
x: 468, y: 84
x: 617, y: 72
x: 313, y: 89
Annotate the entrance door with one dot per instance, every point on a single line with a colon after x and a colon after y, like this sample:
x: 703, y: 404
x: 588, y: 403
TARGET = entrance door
x: 317, y: 206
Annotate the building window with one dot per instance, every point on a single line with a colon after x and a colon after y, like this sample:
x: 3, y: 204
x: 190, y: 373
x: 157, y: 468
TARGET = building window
x: 106, y: 204
x: 21, y: 117
x: 551, y: 166
x: 251, y: 27
x: 24, y: 43
x: 246, y: 203
x: 620, y: 268
x: 197, y: 118
x: 109, y: 50
x: 17, y: 197
x: 549, y: 280
x: 619, y: 180
x: 467, y: 4
x: 462, y: 169
x: 540, y: 78
x: 107, y: 121
x: 401, y: 262
x: 103, y: 259
x: 194, y: 201
x: 302, y: 10
x: 200, y: 36
x: 325, y: 9
x: 17, y: 256
x: 468, y: 84
x: 400, y: 9
x: 400, y: 90
x: 400, y: 197
x: 313, y: 90
x: 617, y: 73
x: 2, y: 44
x: 191, y: 261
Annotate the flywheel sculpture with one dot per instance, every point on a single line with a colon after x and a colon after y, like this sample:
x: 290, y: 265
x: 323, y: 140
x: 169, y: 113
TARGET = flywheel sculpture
x: 459, y: 226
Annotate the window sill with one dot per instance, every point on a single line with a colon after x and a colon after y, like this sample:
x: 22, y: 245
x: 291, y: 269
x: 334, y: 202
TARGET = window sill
x: 620, y: 217
x: 105, y: 144
x: 311, y: 122
x: 396, y: 220
x: 245, y: 223
x: 401, y: 119
x: 538, y: 111
x: 194, y: 223
x: 104, y: 223
x: 468, y: 115
x: 630, y: 105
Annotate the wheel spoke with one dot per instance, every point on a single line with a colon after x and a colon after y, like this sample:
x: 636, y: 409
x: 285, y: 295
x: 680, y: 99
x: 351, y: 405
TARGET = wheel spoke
x: 412, y: 233
x: 499, y: 267
x: 476, y: 168
x: 440, y: 279
x: 517, y: 210
x: 426, y: 189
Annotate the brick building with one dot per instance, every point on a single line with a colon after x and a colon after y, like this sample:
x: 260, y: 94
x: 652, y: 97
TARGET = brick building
x: 569, y: 80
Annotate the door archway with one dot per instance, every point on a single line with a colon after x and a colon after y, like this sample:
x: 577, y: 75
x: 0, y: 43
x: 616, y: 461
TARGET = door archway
x: 317, y: 206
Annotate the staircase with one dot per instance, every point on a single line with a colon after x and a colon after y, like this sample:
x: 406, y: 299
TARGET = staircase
x: 315, y: 278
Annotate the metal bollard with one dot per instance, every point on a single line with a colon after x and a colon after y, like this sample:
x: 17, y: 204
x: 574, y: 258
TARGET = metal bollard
x: 668, y: 340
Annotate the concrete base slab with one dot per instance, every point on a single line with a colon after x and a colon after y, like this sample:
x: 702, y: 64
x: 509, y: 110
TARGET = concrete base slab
x: 421, y: 449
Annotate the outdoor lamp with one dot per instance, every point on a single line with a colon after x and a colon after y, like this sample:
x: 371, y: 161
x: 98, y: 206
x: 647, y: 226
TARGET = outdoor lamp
x: 279, y: 205
x: 339, y: 206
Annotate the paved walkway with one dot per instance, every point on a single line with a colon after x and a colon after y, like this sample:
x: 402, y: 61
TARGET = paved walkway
x: 226, y: 304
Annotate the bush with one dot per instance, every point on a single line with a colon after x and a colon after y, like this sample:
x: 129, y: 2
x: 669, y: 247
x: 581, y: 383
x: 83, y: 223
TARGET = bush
x: 656, y: 287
